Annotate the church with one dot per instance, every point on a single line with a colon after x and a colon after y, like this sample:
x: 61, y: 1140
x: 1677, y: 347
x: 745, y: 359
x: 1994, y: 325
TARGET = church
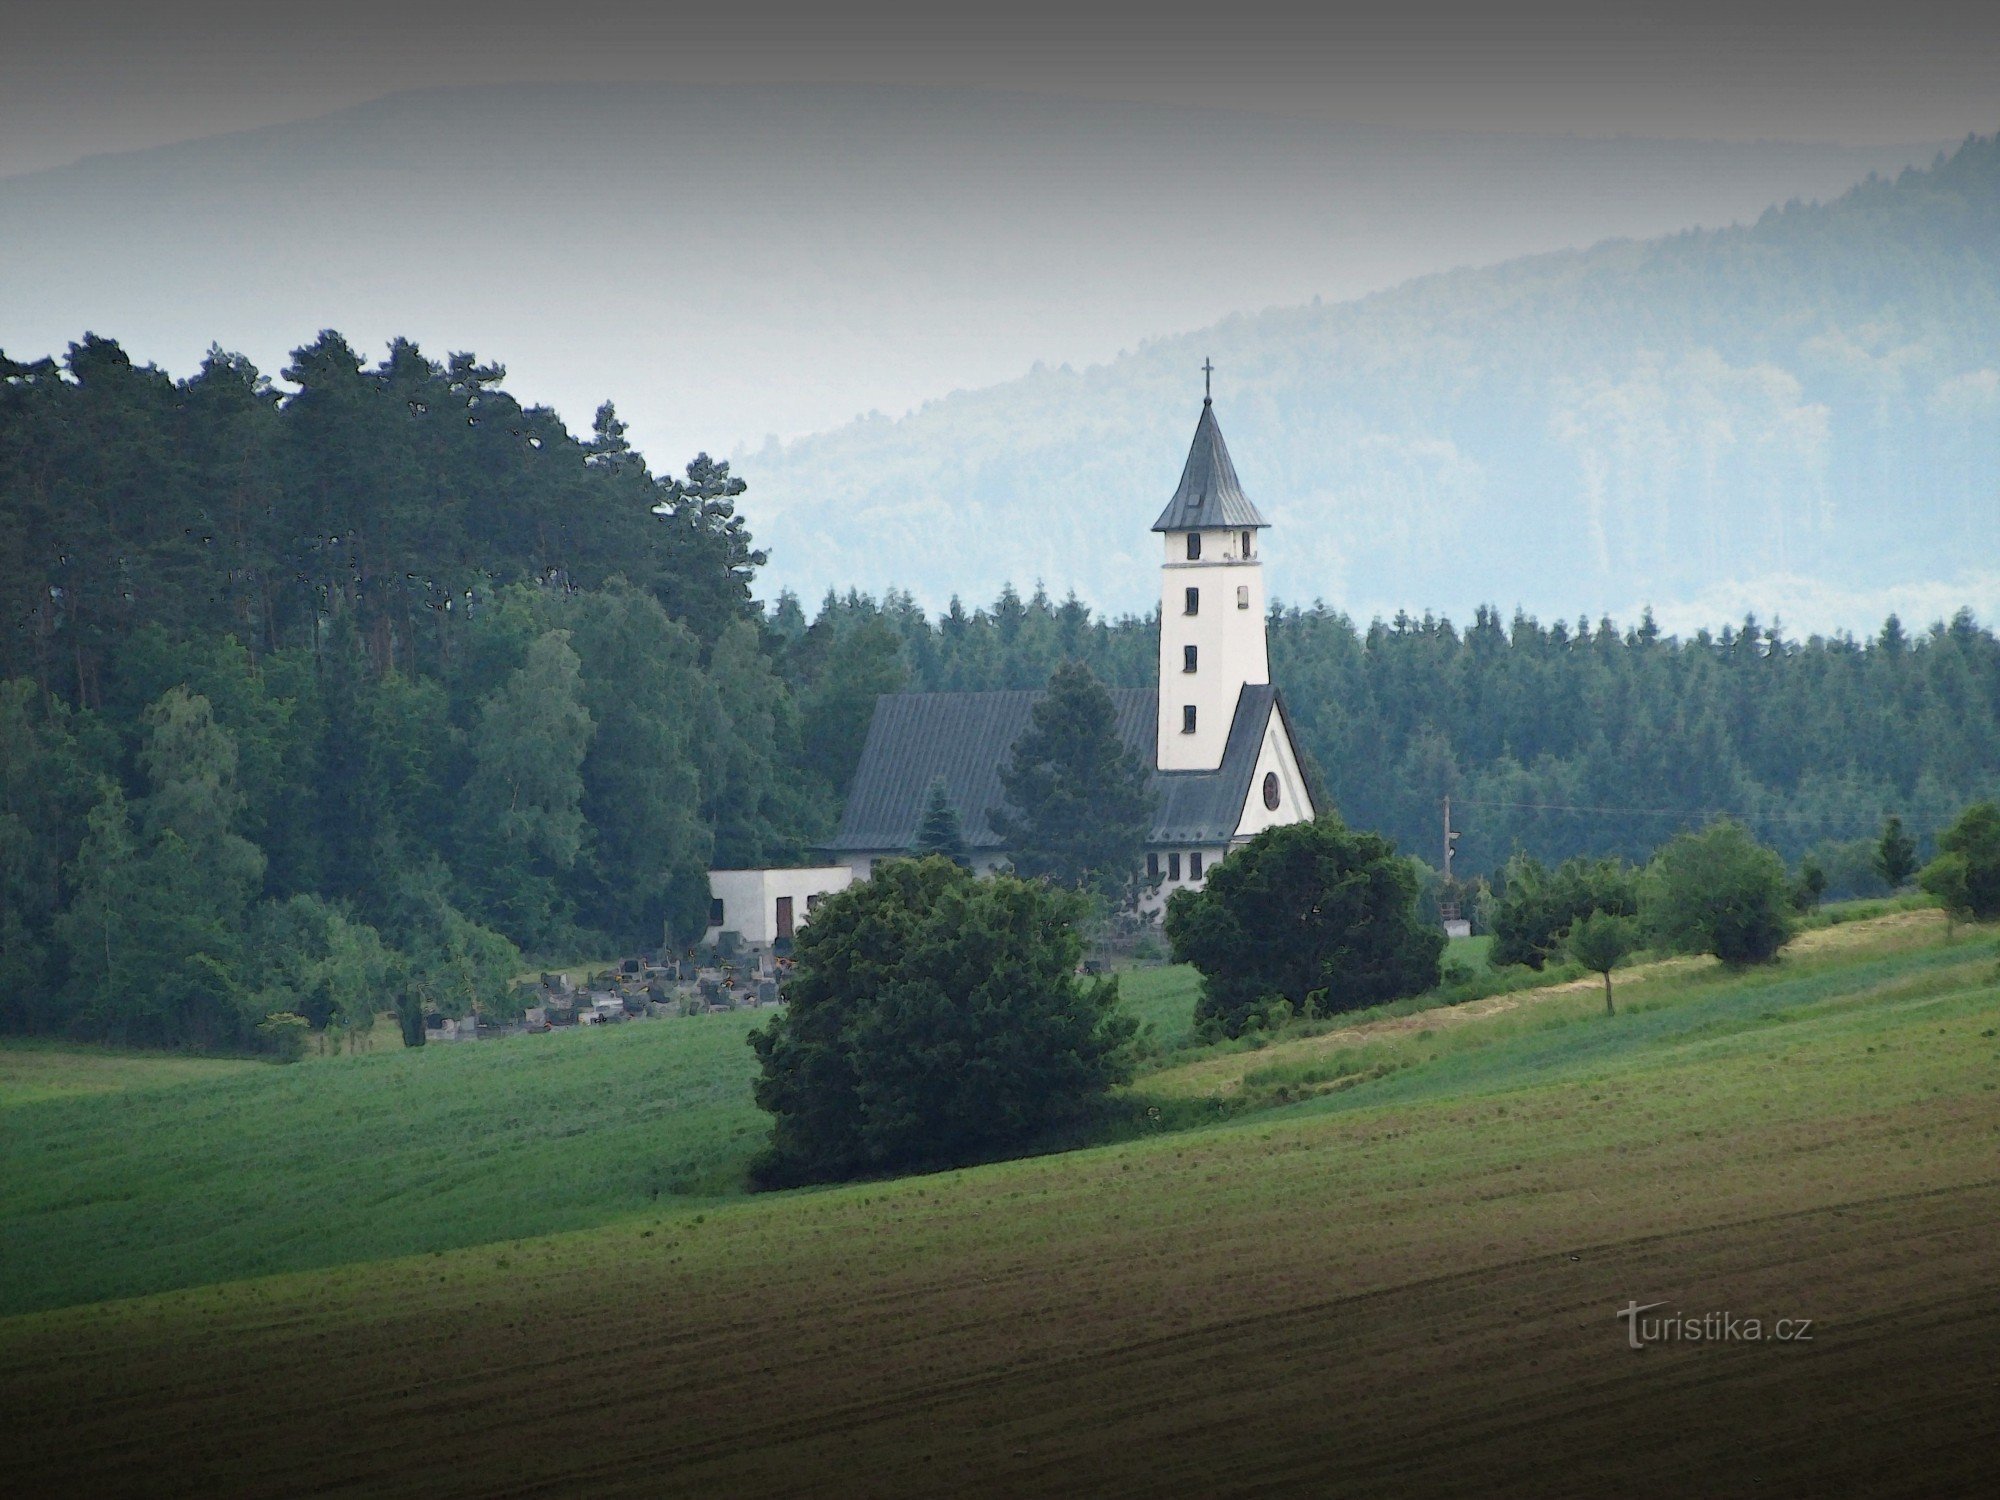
x: 1212, y: 729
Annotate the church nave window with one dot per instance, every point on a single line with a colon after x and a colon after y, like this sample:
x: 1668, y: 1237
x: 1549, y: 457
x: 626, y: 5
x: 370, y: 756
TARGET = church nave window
x: 1173, y: 866
x: 1194, y: 546
x: 1187, y: 720
x: 1194, y: 601
x: 1194, y: 865
x: 1152, y: 864
x: 1187, y: 658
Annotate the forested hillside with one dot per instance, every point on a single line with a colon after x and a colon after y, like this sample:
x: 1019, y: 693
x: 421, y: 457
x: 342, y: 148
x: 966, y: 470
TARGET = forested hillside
x: 1555, y: 739
x: 1800, y: 415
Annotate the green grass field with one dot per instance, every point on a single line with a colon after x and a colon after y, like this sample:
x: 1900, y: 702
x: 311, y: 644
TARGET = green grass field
x: 1400, y: 1281
x: 253, y: 1168
x: 34, y: 1072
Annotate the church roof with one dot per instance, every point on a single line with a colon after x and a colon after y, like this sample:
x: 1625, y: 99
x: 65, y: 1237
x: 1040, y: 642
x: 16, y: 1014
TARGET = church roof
x: 1209, y: 494
x: 966, y: 738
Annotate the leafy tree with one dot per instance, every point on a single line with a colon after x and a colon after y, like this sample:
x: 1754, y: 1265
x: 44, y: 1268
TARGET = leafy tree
x: 1314, y: 915
x: 939, y: 833
x: 1536, y: 908
x: 100, y: 927
x: 1600, y: 941
x: 1895, y: 854
x: 319, y: 964
x: 456, y: 966
x: 1975, y: 838
x: 933, y: 1019
x: 1947, y: 881
x: 154, y: 932
x: 641, y: 786
x: 1078, y: 807
x: 522, y: 818
x: 1717, y: 891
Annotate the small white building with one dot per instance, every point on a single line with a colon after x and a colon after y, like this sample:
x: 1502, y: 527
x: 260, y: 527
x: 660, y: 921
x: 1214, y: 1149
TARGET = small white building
x: 764, y: 906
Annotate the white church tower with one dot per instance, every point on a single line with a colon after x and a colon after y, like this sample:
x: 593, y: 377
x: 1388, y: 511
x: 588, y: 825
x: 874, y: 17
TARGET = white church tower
x: 1211, y: 604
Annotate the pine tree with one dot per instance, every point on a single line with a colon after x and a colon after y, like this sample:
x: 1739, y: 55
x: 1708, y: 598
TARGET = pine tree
x: 1896, y: 852
x: 940, y: 833
x: 1078, y: 807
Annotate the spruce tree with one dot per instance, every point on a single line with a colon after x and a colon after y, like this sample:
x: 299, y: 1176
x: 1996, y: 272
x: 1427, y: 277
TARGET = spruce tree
x: 940, y: 833
x: 1896, y: 853
x: 1078, y: 806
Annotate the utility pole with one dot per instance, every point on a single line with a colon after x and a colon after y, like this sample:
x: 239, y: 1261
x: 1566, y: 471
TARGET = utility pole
x: 1448, y: 908
x: 1450, y: 838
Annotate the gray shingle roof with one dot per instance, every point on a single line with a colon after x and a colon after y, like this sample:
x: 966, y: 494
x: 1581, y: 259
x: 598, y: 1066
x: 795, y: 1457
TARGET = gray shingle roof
x: 1209, y: 494
x: 966, y: 737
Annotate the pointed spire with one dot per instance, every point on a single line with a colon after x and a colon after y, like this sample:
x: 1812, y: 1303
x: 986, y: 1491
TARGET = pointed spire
x: 1209, y: 494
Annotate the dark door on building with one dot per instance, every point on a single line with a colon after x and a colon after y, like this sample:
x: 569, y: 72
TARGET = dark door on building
x: 784, y: 916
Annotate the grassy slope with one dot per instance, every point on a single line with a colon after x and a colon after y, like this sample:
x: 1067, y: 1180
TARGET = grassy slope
x: 269, y: 1168
x: 33, y: 1072
x: 251, y: 1168
x: 1395, y: 1288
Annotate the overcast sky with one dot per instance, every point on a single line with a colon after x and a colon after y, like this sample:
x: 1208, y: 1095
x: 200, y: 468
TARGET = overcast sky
x: 84, y: 76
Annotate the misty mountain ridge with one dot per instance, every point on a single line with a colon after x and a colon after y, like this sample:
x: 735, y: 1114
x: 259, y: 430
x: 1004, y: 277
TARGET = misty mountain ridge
x: 728, y: 261
x: 1799, y: 416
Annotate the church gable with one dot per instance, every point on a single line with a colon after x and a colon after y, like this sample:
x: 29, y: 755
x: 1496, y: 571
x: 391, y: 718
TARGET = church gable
x: 1277, y: 792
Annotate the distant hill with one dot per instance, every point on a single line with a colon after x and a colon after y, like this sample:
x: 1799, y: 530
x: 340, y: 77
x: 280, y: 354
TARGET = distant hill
x: 728, y: 262
x: 1801, y: 415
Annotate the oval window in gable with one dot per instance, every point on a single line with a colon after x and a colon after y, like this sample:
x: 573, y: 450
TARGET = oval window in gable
x: 1271, y: 790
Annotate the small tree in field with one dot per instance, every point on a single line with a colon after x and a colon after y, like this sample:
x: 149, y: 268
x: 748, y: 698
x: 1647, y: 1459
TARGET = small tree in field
x: 1975, y: 838
x: 1537, y: 906
x: 933, y: 1019
x: 1718, y: 891
x: 1895, y: 854
x: 1600, y: 941
x: 1314, y: 915
x: 1944, y: 880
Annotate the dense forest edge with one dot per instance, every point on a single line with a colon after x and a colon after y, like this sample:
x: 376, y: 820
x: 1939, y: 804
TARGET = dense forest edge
x: 381, y: 684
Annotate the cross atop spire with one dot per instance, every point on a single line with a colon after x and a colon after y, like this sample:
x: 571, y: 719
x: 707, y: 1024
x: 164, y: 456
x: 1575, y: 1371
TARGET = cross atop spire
x: 1209, y: 496
x: 1207, y: 374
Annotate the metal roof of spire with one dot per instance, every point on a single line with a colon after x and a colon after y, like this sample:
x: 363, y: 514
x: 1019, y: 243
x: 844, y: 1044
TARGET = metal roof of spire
x: 1209, y: 494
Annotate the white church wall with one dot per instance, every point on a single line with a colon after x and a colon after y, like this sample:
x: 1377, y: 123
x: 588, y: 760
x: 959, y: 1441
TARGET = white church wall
x: 1277, y: 771
x: 1153, y: 898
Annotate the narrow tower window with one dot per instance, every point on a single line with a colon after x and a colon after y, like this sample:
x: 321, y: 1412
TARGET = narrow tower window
x: 1246, y: 544
x: 1242, y: 596
x: 1187, y: 658
x: 1194, y: 601
x: 1187, y: 719
x: 1194, y: 546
